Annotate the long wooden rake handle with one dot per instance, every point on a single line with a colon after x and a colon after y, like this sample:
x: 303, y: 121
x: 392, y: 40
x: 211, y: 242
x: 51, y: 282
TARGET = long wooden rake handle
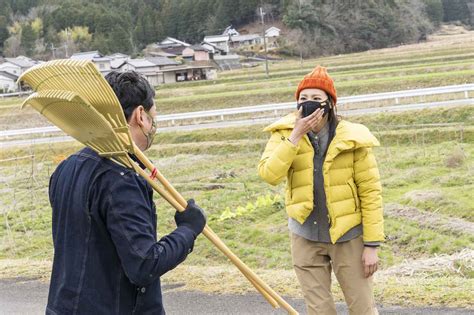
x: 209, y: 234
x: 179, y: 203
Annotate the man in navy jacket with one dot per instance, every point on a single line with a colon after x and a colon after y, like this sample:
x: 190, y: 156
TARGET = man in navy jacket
x: 107, y: 259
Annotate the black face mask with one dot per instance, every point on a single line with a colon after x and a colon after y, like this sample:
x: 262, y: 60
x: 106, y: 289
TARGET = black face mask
x: 310, y: 107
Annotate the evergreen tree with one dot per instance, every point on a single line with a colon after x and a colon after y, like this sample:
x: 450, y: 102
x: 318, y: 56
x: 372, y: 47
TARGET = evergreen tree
x: 226, y: 13
x: 23, y: 6
x: 146, y: 30
x: 456, y: 10
x: 28, y: 38
x: 3, y: 31
x: 119, y: 41
x: 5, y: 8
x: 434, y: 10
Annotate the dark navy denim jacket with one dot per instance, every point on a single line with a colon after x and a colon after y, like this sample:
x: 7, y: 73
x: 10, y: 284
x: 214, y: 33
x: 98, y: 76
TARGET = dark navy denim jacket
x: 107, y: 259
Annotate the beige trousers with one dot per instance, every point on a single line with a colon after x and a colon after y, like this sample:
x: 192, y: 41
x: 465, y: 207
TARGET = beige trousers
x: 313, y: 263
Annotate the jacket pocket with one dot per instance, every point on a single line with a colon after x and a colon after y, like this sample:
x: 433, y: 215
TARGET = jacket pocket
x: 290, y: 184
x: 355, y: 195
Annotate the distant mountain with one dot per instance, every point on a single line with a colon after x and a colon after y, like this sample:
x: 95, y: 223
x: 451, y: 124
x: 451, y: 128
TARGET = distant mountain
x: 41, y: 28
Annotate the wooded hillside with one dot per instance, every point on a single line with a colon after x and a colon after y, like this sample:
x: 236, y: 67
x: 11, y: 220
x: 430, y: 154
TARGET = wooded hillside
x: 37, y: 27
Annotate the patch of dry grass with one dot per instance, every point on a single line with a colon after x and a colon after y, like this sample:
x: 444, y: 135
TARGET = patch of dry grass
x: 456, y: 158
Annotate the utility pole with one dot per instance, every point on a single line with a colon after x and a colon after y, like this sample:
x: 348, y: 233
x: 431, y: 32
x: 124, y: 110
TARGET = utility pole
x: 53, y: 50
x: 264, y: 41
x: 67, y: 39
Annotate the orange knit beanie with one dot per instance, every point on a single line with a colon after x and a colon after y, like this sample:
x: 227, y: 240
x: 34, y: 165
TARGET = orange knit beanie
x: 318, y: 79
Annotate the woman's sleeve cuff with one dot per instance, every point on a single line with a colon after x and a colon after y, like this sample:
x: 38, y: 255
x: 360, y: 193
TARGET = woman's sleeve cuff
x: 371, y: 244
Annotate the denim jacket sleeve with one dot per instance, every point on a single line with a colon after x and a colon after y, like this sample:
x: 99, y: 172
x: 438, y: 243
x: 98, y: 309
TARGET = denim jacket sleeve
x: 132, y: 228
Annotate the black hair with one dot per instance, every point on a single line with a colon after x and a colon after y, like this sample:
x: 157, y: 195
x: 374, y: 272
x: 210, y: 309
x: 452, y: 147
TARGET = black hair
x: 333, y: 121
x: 132, y: 90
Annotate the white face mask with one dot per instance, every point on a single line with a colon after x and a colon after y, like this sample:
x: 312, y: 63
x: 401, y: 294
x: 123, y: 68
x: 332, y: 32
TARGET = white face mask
x: 150, y: 135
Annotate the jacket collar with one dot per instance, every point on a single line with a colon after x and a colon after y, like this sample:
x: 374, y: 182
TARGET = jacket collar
x: 349, y: 136
x: 286, y: 122
x: 136, y: 160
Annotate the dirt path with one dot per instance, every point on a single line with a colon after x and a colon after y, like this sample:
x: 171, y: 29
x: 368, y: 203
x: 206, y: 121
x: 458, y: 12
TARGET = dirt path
x: 28, y: 296
x: 429, y: 219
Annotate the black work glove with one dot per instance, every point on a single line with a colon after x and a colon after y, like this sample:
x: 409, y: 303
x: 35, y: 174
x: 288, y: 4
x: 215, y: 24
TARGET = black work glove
x: 192, y: 217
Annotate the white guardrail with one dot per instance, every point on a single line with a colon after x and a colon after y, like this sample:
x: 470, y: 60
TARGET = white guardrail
x: 3, y: 95
x: 397, y: 95
x: 221, y: 113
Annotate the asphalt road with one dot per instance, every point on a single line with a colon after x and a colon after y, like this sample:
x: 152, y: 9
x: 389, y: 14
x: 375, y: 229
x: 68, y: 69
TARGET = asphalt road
x: 27, y: 296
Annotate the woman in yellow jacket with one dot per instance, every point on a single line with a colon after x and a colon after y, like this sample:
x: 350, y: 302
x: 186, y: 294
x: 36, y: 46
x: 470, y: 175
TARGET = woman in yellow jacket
x: 333, y: 196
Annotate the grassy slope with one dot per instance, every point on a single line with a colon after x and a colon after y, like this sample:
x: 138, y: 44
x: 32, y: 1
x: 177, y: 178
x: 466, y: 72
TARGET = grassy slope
x: 218, y: 169
x: 419, y: 167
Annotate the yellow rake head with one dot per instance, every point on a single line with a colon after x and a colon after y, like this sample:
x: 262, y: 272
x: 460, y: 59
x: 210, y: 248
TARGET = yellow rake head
x: 84, y: 80
x: 77, y: 118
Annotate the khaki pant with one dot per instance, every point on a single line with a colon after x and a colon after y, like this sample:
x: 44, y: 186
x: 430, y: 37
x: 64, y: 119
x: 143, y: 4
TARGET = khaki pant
x: 313, y: 262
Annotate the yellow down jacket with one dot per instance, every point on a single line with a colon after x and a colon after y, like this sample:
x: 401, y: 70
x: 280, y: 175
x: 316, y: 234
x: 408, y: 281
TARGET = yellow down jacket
x: 351, y: 177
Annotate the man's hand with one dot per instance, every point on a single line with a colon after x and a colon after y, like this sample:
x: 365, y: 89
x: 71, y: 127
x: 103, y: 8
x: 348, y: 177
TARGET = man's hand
x: 370, y: 261
x: 305, y: 125
x: 192, y: 217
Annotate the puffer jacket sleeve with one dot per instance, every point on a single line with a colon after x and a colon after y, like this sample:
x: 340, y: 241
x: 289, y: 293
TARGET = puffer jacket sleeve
x: 277, y: 158
x: 369, y: 189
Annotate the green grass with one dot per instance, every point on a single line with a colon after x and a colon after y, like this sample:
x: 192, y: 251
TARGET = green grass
x: 218, y: 169
x: 256, y: 74
x: 237, y: 98
x: 350, y: 79
x: 344, y: 64
x: 426, y: 166
x: 290, y: 79
x: 10, y: 101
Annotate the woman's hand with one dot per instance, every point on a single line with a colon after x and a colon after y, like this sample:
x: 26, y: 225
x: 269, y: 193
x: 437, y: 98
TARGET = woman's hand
x: 305, y: 125
x: 370, y: 260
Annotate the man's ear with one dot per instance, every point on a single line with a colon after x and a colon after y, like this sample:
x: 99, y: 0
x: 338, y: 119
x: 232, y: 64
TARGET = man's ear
x: 136, y: 118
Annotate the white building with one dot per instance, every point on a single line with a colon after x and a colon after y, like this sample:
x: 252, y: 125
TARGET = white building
x: 18, y: 65
x: 86, y: 55
x: 117, y: 59
x: 102, y: 63
x: 272, y: 32
x: 11, y: 68
x: 8, y: 82
x: 232, y: 39
x: 213, y: 49
x: 220, y: 41
x: 229, y: 30
x: 172, y: 42
x: 190, y: 71
x: 145, y: 67
x: 245, y: 40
